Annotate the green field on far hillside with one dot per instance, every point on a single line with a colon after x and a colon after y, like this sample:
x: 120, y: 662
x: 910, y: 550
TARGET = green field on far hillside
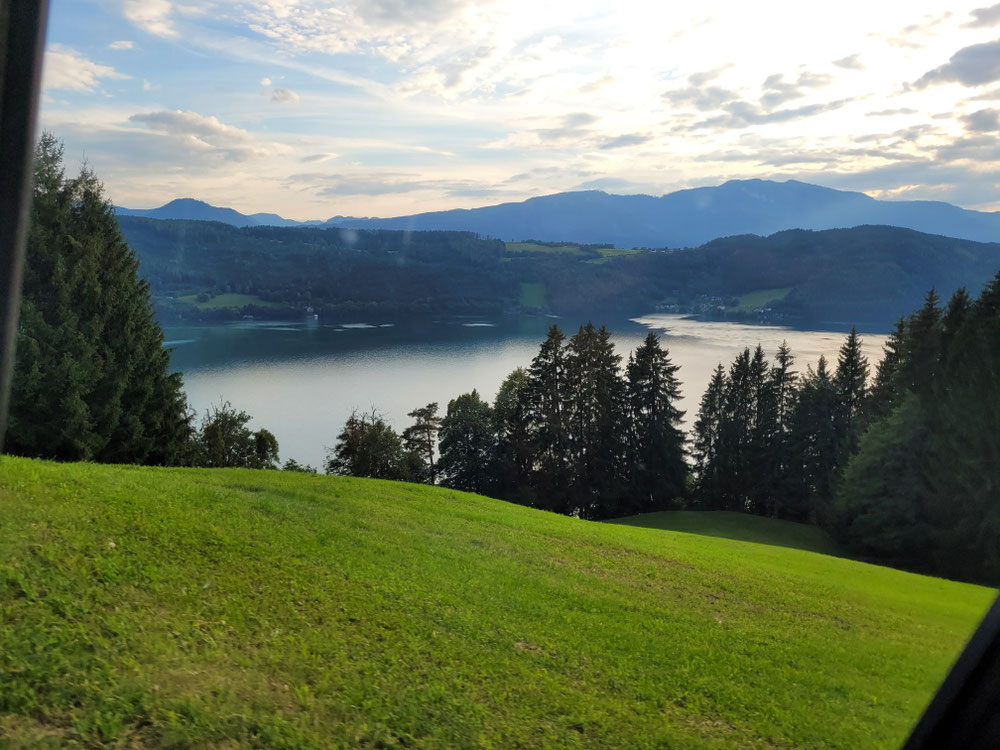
x: 237, y: 608
x: 761, y: 298
x: 739, y: 527
x: 531, y: 247
x: 221, y: 301
x: 532, y: 295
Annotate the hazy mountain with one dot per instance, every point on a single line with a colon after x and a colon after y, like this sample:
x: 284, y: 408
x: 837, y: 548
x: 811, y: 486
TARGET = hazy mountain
x: 686, y: 218
x: 191, y: 209
x: 689, y: 218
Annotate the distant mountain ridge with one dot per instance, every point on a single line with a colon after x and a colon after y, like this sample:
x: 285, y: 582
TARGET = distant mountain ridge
x: 191, y: 209
x: 685, y: 218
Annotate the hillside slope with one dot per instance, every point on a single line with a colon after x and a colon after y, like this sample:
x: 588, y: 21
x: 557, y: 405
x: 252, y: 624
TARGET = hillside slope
x: 870, y: 274
x: 222, y: 608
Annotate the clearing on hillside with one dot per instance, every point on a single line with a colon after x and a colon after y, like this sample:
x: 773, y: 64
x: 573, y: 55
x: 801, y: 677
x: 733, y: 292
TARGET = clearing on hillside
x: 224, y: 608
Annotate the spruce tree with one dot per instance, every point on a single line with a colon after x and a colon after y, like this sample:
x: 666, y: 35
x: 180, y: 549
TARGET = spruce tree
x: 511, y: 419
x: 919, y: 364
x: 736, y: 435
x: 595, y: 400
x: 547, y: 413
x: 884, y: 394
x: 779, y: 459
x: 655, y: 443
x: 814, y: 439
x: 92, y: 379
x: 707, y: 443
x: 851, y: 382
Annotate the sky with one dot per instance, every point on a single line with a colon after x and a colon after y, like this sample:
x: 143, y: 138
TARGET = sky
x: 314, y: 109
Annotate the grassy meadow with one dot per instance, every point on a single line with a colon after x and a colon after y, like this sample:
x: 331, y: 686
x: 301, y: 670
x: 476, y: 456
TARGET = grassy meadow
x: 761, y: 298
x: 236, y: 608
x: 225, y: 301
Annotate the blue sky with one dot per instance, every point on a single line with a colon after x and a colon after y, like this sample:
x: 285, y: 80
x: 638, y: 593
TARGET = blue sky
x: 383, y: 107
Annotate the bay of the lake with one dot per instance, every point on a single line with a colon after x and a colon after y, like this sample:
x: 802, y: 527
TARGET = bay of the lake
x: 301, y: 380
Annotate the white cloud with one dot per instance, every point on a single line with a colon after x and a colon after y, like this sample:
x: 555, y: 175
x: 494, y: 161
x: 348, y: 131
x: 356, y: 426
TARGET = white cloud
x: 265, y: 82
x: 152, y: 16
x: 66, y: 69
x: 206, y: 135
x: 149, y: 86
x: 284, y: 96
x: 122, y: 44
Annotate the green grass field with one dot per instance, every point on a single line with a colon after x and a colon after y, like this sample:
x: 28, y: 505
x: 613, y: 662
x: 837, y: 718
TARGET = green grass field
x: 531, y: 247
x: 532, y: 295
x: 227, y: 301
x: 237, y: 608
x: 761, y: 298
x: 739, y: 527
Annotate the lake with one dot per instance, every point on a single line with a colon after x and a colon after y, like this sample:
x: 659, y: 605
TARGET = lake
x: 301, y: 380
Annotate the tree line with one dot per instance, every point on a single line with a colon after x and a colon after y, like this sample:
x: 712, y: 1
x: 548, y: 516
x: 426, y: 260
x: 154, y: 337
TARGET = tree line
x: 569, y: 434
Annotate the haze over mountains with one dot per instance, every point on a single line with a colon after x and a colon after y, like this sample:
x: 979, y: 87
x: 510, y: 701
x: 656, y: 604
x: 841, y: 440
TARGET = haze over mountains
x: 685, y: 218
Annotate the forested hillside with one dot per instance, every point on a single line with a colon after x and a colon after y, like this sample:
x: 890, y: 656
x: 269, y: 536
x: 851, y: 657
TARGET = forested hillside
x: 864, y: 275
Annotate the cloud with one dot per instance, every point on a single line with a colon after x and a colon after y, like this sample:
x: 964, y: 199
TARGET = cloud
x: 700, y: 79
x: 65, y: 69
x: 148, y: 85
x: 984, y: 17
x: 122, y: 44
x: 621, y: 141
x: 778, y: 91
x: 573, y: 125
x: 983, y: 121
x: 851, y: 62
x: 317, y: 158
x: 284, y: 96
x: 387, y: 183
x: 203, y: 134
x: 970, y: 66
x: 152, y: 16
x: 265, y: 82
x: 597, y: 84
x: 744, y: 114
x: 891, y: 112
x: 705, y: 99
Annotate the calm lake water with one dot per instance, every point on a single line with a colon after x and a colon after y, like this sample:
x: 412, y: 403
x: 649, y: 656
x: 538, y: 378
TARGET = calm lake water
x: 301, y: 380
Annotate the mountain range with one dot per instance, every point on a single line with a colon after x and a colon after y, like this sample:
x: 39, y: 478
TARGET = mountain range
x: 685, y: 218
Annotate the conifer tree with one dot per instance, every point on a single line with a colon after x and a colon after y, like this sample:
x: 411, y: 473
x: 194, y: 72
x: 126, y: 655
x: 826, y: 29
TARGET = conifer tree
x: 468, y: 445
x: 814, y: 441
x: 547, y: 412
x: 595, y: 422
x: 92, y: 379
x: 851, y: 382
x: 919, y: 363
x: 884, y: 394
x: 511, y: 420
x: 655, y: 442
x: 736, y: 435
x: 708, y: 444
x: 780, y: 459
